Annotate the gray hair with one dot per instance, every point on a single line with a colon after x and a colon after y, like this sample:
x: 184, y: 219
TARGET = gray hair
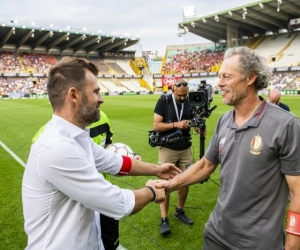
x: 251, y: 64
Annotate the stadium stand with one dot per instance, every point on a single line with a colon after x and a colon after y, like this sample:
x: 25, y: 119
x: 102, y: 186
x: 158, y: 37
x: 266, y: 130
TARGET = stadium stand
x: 274, y: 33
x: 9, y: 62
x: 103, y: 68
x: 111, y: 87
x: 271, y: 46
x: 125, y: 66
x: 189, y: 61
x: 127, y: 84
x: 36, y: 63
x: 133, y: 85
x: 286, y: 81
x: 290, y: 55
x: 102, y: 88
x: 116, y: 69
x: 155, y: 66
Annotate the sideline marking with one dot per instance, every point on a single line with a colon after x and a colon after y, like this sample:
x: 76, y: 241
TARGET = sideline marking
x: 13, y: 154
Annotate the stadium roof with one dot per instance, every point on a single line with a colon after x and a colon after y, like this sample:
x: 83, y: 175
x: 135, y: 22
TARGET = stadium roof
x: 16, y: 38
x: 250, y: 20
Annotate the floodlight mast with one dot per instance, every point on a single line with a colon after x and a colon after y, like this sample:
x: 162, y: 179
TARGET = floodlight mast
x: 189, y: 12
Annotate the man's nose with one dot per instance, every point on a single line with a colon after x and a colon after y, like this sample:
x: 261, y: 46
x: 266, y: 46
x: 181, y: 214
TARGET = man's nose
x: 100, y: 99
x: 220, y: 82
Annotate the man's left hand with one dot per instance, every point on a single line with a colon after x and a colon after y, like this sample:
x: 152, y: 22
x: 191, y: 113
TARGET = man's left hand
x: 167, y: 171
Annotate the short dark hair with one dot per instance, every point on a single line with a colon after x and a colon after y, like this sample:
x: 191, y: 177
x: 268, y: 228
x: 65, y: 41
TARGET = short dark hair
x: 68, y: 72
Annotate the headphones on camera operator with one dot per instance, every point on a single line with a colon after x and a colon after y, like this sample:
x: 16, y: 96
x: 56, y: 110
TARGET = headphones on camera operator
x: 173, y: 112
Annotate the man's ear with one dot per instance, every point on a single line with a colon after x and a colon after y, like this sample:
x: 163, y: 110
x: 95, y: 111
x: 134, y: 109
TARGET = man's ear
x: 251, y: 79
x: 73, y: 94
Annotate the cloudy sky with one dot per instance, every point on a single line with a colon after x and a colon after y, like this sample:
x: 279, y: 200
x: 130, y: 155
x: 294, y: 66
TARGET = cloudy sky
x: 153, y: 21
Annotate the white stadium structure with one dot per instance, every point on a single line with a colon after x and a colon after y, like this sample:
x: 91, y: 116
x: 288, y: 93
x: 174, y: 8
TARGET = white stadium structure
x: 271, y: 27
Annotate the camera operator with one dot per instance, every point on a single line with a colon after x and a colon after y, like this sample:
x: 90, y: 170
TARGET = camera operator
x: 172, y: 114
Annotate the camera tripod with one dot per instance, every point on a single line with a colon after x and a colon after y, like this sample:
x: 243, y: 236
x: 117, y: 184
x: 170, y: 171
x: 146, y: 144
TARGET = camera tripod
x: 202, y: 138
x: 202, y: 125
x: 202, y: 133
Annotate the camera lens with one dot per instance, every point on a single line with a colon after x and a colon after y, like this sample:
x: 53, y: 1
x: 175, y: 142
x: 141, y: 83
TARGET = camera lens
x: 197, y: 98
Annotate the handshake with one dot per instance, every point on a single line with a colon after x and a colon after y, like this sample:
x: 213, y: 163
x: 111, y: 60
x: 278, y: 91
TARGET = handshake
x: 159, y: 195
x: 166, y: 171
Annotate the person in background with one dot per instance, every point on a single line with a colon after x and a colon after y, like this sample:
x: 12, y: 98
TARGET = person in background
x: 172, y: 113
x: 257, y: 146
x: 274, y: 96
x: 61, y: 187
x: 101, y: 131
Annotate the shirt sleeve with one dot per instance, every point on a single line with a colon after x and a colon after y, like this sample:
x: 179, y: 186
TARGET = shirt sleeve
x: 159, y: 107
x: 67, y: 169
x: 106, y: 161
x: 290, y: 148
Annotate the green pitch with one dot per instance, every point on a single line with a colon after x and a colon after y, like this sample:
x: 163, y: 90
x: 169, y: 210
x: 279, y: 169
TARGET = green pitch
x: 131, y: 118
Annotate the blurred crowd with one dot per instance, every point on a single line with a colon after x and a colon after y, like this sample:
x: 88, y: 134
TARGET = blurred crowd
x: 25, y: 63
x: 179, y: 63
x: 287, y: 81
x: 193, y: 61
x: 15, y: 87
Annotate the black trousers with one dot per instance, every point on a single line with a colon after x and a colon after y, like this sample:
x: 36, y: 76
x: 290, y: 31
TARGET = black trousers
x: 109, y: 232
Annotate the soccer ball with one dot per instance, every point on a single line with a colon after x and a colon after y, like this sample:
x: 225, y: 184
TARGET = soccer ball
x: 121, y: 148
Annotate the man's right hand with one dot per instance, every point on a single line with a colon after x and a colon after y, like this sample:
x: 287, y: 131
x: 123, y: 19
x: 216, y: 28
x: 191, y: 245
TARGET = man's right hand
x: 184, y: 124
x: 164, y: 185
x: 160, y: 193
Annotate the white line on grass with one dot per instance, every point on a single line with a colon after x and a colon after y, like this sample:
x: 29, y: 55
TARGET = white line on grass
x: 13, y: 154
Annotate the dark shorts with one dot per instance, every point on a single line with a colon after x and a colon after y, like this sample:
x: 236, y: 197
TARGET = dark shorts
x: 109, y: 232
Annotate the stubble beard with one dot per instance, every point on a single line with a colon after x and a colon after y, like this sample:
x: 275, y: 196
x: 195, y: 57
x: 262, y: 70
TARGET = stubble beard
x: 88, y: 113
x: 236, y: 98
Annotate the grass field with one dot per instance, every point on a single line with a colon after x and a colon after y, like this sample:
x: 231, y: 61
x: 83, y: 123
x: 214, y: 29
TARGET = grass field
x: 131, y: 118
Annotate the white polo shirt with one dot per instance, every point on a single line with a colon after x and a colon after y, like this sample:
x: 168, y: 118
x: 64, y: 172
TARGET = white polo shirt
x: 62, y: 189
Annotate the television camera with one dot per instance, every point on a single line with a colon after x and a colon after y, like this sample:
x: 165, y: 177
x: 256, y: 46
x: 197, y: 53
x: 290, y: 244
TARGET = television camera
x: 200, y: 106
x: 199, y: 102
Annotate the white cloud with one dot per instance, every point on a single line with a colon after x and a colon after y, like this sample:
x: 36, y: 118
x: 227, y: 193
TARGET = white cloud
x: 154, y: 21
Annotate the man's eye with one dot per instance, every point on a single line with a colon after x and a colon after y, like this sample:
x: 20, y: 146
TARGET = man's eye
x: 225, y: 77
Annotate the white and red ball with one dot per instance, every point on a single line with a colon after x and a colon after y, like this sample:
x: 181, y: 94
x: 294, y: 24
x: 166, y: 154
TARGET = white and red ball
x: 121, y: 148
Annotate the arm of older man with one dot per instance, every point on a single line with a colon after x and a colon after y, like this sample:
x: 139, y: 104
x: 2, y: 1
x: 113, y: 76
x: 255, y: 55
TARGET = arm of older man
x: 196, y: 173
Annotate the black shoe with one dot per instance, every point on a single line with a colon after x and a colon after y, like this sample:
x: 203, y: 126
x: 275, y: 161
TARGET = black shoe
x: 180, y: 215
x: 164, y: 226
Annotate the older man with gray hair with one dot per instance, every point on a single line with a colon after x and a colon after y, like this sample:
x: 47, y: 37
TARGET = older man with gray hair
x: 257, y: 147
